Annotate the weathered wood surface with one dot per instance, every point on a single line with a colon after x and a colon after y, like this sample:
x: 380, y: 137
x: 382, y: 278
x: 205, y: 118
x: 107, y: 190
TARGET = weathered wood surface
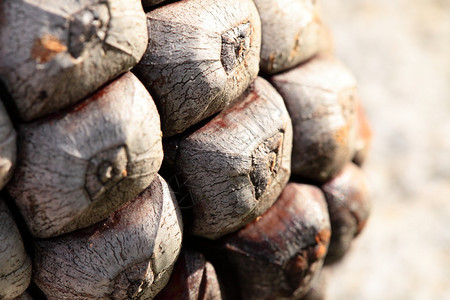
x: 292, y: 32
x: 202, y: 54
x: 193, y: 278
x: 8, y: 147
x: 349, y: 208
x: 75, y: 168
x: 236, y: 165
x: 320, y: 96
x: 54, y: 53
x: 279, y: 254
x: 130, y: 255
x: 15, y: 265
x: 363, y: 136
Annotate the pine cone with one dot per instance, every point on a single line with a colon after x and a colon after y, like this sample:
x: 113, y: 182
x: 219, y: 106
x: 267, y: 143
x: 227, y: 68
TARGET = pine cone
x: 232, y: 136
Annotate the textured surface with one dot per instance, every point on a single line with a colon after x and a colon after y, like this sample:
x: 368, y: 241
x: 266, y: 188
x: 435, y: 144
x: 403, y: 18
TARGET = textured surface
x: 54, y: 53
x: 8, y: 147
x: 202, y: 54
x: 74, y: 169
x: 15, y: 265
x: 279, y: 254
x: 321, y: 98
x: 292, y: 32
x: 399, y: 51
x: 349, y: 206
x: 236, y: 165
x: 130, y: 255
x: 193, y: 278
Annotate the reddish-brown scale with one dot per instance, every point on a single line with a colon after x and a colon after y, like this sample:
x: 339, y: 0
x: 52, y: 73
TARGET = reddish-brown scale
x: 193, y: 278
x: 277, y: 256
x: 349, y: 208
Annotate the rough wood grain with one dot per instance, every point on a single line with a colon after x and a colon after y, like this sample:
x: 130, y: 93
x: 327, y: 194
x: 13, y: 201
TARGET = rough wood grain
x: 54, y: 53
x: 292, y: 32
x: 279, y: 254
x: 8, y: 147
x: 130, y: 255
x: 202, y: 54
x: 236, y: 165
x: 363, y: 136
x: 349, y: 208
x: 15, y: 265
x: 193, y: 278
x: 75, y: 168
x: 320, y: 96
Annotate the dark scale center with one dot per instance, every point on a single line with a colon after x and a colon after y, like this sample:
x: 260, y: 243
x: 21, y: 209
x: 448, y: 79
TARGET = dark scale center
x: 266, y: 160
x: 235, y: 46
x: 106, y: 169
x: 87, y: 25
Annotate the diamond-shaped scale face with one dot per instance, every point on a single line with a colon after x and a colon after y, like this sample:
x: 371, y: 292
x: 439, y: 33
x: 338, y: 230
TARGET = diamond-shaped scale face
x: 201, y: 56
x: 292, y: 32
x: 236, y: 165
x: 321, y: 98
x: 129, y: 255
x: 279, y: 254
x: 75, y: 168
x: 66, y: 49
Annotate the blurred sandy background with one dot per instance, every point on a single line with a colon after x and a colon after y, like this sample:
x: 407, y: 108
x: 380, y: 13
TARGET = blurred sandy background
x: 400, y: 54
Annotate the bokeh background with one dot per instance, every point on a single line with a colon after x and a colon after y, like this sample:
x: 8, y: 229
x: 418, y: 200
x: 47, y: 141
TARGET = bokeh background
x: 400, y: 53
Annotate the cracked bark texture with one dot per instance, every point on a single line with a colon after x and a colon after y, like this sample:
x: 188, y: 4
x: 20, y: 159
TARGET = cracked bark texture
x: 130, y: 255
x: 77, y: 167
x: 193, y: 278
x: 15, y: 265
x: 321, y: 98
x: 349, y: 208
x: 236, y: 165
x: 54, y: 53
x: 8, y: 147
x: 279, y: 254
x: 292, y: 32
x: 363, y: 136
x: 202, y: 54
